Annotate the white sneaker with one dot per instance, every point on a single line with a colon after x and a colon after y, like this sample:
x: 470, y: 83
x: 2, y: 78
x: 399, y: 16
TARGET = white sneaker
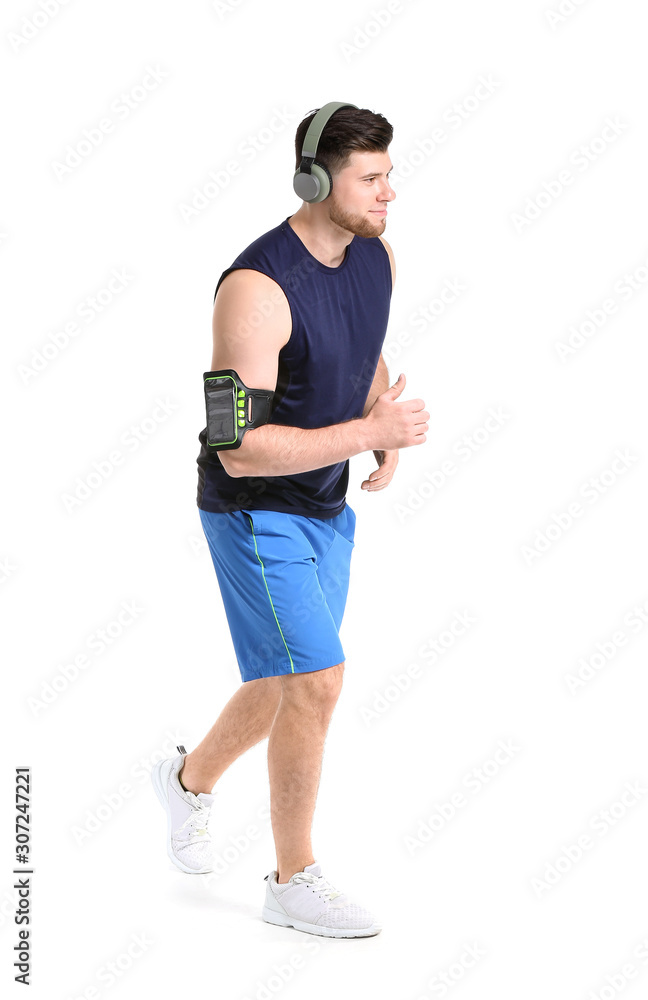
x: 188, y: 841
x: 309, y: 903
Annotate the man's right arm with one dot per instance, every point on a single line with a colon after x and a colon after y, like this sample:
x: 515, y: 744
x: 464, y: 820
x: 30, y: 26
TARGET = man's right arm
x: 251, y: 323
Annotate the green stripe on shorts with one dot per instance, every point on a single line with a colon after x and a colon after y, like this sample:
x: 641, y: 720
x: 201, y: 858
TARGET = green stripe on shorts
x: 292, y: 667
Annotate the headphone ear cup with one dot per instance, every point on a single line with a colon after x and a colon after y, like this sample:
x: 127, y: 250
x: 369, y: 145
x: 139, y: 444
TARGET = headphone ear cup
x: 305, y: 186
x: 313, y: 187
x: 325, y: 180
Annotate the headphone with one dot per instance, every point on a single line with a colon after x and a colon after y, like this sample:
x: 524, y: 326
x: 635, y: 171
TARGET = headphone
x: 312, y: 181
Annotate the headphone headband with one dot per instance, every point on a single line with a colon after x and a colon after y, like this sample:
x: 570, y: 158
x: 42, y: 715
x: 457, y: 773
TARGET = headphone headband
x: 318, y: 124
x: 312, y: 181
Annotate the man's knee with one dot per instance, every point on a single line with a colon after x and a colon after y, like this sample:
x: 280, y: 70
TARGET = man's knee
x: 329, y: 682
x: 316, y: 690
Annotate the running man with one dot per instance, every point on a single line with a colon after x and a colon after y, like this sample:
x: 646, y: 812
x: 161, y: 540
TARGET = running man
x: 302, y: 312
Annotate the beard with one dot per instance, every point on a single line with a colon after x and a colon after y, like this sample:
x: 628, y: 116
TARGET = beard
x: 359, y: 225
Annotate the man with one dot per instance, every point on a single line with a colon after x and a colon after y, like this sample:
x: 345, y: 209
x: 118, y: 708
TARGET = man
x: 302, y: 312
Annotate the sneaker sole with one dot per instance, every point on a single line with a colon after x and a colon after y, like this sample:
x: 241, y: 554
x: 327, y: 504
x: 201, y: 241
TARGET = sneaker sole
x: 283, y: 920
x: 160, y: 779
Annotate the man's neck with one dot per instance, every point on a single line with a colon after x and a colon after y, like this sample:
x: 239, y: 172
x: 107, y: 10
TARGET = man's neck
x: 324, y: 240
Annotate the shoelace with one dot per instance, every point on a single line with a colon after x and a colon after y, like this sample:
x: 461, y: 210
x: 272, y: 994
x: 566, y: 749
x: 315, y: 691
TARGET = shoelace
x: 319, y: 883
x: 197, y: 819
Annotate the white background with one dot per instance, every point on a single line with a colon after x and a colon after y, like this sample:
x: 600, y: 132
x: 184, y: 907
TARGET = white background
x: 551, y: 594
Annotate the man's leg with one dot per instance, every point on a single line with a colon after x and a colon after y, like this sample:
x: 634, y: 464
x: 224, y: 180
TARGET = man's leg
x: 245, y: 721
x: 298, y: 894
x: 295, y: 750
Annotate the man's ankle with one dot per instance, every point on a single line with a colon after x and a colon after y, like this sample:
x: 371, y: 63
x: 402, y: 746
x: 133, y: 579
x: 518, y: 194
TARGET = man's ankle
x: 189, y: 782
x: 182, y: 784
x: 283, y: 879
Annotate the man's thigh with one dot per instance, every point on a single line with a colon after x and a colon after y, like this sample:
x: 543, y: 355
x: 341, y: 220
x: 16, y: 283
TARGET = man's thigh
x: 268, y: 567
x: 334, y: 564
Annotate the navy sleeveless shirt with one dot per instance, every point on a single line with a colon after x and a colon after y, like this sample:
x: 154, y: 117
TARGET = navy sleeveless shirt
x: 339, y: 321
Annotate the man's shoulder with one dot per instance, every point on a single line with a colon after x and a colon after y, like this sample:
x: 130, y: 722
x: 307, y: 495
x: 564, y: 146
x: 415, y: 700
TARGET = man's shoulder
x: 264, y: 242
x: 386, y: 246
x: 390, y: 253
x: 257, y: 265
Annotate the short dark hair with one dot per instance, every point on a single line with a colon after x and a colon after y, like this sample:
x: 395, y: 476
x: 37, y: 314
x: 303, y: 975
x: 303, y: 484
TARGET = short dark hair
x: 347, y: 130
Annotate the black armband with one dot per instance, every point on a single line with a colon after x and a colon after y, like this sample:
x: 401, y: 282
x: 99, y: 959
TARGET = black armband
x: 232, y: 408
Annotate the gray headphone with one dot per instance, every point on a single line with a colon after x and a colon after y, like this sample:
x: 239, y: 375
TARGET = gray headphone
x: 312, y: 181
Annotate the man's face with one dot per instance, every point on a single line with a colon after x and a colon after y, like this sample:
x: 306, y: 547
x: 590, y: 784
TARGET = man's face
x: 360, y: 194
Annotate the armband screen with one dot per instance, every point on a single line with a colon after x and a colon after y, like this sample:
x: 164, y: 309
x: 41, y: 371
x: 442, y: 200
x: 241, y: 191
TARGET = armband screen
x: 232, y: 408
x: 219, y: 397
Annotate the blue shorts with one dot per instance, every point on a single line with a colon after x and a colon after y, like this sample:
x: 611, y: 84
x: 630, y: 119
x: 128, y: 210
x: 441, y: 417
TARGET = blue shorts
x: 284, y: 580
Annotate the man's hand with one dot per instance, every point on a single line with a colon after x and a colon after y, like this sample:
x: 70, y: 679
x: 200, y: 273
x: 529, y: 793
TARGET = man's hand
x: 392, y: 424
x: 387, y: 462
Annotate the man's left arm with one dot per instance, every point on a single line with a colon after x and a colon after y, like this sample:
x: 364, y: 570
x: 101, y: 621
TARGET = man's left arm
x: 387, y: 460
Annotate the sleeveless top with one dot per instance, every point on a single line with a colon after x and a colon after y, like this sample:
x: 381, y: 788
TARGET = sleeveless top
x: 339, y: 321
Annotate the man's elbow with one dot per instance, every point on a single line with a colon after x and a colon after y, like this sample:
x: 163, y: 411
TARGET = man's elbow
x: 247, y: 459
x: 234, y: 463
x: 240, y: 461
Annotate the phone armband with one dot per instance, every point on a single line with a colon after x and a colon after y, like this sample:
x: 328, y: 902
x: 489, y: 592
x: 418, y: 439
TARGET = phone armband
x: 232, y: 408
